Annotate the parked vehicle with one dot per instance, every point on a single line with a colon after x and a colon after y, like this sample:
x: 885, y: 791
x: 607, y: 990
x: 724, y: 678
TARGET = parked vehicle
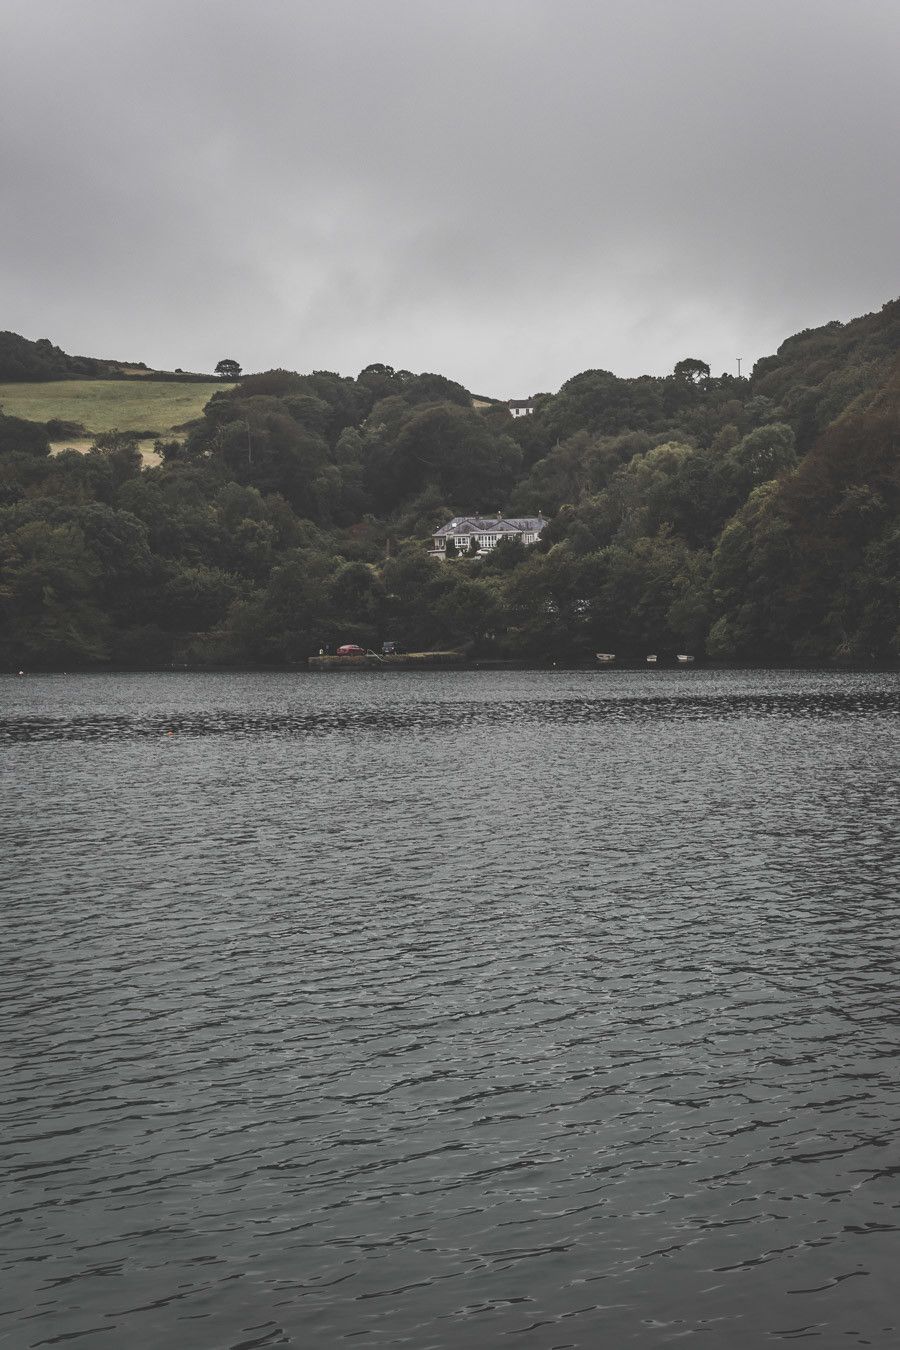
x: 351, y: 649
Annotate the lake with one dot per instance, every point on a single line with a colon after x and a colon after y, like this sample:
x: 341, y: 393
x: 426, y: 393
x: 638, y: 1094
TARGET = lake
x: 447, y: 1009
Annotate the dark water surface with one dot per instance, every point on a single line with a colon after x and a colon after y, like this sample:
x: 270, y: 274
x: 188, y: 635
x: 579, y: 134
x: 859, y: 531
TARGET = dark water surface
x: 450, y: 1010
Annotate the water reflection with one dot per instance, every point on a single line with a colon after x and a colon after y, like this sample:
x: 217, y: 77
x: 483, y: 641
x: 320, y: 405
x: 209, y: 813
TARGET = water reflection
x: 442, y: 716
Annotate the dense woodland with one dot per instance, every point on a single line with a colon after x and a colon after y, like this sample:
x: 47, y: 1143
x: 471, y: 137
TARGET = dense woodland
x: 753, y: 519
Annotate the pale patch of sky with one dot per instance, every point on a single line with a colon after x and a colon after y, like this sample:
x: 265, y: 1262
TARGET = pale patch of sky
x: 505, y: 193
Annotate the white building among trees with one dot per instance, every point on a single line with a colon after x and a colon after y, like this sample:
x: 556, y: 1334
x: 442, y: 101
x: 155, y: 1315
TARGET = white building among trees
x: 468, y: 534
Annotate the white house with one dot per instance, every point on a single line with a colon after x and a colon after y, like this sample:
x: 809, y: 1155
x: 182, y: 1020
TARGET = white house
x: 486, y: 531
x: 520, y: 407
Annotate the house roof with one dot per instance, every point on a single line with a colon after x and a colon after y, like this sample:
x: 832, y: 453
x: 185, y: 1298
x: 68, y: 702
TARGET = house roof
x: 492, y: 525
x: 520, y: 403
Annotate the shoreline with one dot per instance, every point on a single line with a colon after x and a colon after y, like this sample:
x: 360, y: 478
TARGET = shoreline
x: 468, y: 667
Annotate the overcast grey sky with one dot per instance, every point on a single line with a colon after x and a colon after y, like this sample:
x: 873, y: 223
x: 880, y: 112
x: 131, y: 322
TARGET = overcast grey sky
x: 507, y: 191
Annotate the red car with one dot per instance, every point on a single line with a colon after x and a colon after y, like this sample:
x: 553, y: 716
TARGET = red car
x: 351, y: 649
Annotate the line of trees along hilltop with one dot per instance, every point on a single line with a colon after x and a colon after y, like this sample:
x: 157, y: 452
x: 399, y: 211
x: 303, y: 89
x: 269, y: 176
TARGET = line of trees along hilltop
x: 743, y: 519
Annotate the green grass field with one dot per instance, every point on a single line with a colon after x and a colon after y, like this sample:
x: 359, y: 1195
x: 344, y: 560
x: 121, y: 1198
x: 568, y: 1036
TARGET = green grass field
x: 110, y: 405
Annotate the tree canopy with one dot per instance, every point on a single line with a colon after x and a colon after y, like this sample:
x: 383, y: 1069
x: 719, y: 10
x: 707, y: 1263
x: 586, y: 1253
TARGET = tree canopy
x: 754, y: 519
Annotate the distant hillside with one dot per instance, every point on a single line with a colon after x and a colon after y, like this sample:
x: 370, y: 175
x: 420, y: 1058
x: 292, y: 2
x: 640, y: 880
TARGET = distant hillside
x: 743, y: 520
x: 21, y: 359
x: 24, y: 360
x: 74, y: 412
x: 822, y: 373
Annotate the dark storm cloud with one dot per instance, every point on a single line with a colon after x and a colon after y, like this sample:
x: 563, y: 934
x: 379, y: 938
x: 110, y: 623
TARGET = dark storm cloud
x: 507, y: 193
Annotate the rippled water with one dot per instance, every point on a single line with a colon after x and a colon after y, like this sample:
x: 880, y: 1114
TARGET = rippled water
x: 448, y: 1009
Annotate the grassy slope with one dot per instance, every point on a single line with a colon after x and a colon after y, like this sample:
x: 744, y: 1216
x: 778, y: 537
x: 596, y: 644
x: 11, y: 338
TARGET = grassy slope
x: 108, y: 405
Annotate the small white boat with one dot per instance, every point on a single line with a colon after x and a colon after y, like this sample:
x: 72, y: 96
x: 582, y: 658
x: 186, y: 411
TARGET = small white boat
x: 605, y: 658
x: 684, y: 660
x: 651, y: 660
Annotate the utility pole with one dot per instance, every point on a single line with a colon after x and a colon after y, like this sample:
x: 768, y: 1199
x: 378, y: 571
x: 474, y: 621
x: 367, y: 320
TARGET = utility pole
x: 249, y: 444
x: 739, y: 359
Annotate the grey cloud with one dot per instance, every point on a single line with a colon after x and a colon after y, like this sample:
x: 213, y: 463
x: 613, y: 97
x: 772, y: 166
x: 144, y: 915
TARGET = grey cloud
x: 506, y: 193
